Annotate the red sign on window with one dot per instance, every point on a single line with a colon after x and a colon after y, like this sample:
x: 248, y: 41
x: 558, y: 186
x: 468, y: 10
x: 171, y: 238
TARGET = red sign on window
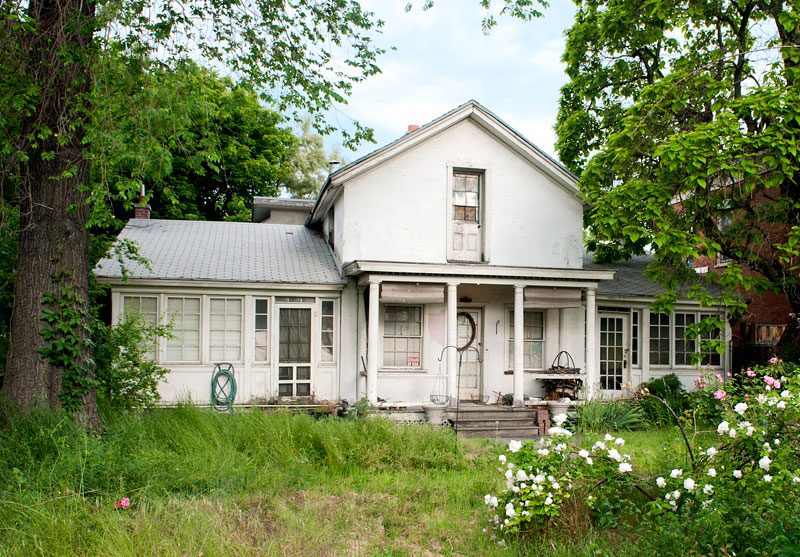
x: 412, y: 361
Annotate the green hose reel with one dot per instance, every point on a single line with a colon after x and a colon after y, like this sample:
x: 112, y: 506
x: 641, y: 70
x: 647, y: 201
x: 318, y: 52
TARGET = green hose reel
x: 223, y: 387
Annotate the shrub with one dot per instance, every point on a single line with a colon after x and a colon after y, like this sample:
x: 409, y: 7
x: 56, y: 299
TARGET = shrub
x: 599, y: 415
x: 739, y: 496
x: 668, y: 389
x: 126, y: 375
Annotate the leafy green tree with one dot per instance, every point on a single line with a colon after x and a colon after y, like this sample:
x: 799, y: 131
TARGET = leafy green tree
x: 299, y: 56
x: 683, y: 120
x: 211, y: 145
x: 309, y: 164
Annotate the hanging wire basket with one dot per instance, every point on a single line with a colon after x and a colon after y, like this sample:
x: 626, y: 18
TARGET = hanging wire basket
x: 440, y: 400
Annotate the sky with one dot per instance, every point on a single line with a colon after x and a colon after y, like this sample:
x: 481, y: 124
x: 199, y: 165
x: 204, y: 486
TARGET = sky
x: 443, y: 59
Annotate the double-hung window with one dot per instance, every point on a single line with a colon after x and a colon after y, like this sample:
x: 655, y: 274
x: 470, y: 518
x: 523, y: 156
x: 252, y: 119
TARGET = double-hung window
x: 328, y: 355
x: 225, y: 329
x: 261, y: 352
x: 146, y: 307
x: 184, y: 346
x: 532, y: 339
x: 402, y: 336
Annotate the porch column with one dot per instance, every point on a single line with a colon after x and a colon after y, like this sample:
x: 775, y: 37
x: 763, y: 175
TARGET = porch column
x: 519, y: 344
x: 592, y: 376
x: 361, y: 345
x: 452, y: 340
x: 373, y: 342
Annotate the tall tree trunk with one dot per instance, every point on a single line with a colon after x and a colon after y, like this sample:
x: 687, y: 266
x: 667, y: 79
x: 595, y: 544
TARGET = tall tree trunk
x: 53, y: 242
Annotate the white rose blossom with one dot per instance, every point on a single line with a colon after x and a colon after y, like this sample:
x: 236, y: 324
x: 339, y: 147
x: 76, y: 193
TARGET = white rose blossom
x: 625, y: 467
x: 722, y: 427
x: 661, y: 482
x: 737, y: 474
x: 688, y: 484
x: 583, y: 453
x: 620, y: 442
x: 677, y: 473
x: 740, y: 408
x: 764, y: 463
x: 510, y: 510
x: 514, y: 446
x: 711, y: 473
x: 767, y: 478
x: 708, y: 489
x: 711, y: 451
x: 502, y: 458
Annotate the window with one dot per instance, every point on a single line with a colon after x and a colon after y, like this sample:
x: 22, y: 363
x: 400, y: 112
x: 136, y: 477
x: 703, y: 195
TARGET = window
x: 402, y: 336
x: 261, y: 352
x: 709, y: 356
x: 326, y: 332
x: 185, y: 316
x: 532, y: 338
x: 635, y: 337
x: 659, y: 339
x: 225, y: 329
x: 466, y: 197
x: 684, y: 348
x: 147, y: 308
x: 669, y: 345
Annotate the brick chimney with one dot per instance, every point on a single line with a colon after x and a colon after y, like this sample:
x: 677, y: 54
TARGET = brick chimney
x: 141, y: 211
x: 412, y: 128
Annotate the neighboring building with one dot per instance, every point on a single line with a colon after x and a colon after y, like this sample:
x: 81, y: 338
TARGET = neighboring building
x: 277, y: 210
x: 459, y: 234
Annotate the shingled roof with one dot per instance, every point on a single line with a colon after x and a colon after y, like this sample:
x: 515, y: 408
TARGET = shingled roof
x: 226, y: 251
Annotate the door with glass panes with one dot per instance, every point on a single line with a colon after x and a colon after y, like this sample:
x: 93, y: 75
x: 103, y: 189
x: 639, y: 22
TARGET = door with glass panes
x: 294, y: 351
x: 614, y: 355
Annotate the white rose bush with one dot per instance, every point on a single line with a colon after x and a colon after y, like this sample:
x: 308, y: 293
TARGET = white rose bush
x: 740, y: 495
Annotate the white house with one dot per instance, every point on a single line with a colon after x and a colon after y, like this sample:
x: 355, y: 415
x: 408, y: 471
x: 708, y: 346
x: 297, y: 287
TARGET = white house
x: 418, y: 267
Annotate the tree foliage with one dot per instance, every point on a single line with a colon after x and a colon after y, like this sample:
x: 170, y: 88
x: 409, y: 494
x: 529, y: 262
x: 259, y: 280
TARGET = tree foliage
x: 56, y: 117
x: 683, y: 120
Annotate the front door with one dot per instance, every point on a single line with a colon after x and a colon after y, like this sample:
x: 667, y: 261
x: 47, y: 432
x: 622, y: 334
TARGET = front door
x: 294, y: 352
x: 466, y: 242
x: 614, y: 365
x: 469, y: 343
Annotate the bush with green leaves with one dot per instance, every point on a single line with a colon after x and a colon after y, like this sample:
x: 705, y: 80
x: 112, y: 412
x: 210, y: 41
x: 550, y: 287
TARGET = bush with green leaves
x: 126, y: 374
x: 654, y: 393
x: 741, y: 495
x: 598, y: 415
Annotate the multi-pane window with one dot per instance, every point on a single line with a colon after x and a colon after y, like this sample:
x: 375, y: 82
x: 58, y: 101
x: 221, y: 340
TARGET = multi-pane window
x: 709, y: 356
x: 225, y: 329
x: 532, y: 338
x: 261, y: 352
x: 147, y: 309
x: 326, y: 332
x: 669, y: 344
x: 184, y: 346
x: 466, y: 197
x: 402, y: 336
x: 635, y: 337
x: 684, y: 347
x: 659, y: 339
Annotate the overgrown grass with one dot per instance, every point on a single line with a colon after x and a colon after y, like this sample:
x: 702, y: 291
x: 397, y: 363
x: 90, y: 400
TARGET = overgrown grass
x: 250, y: 483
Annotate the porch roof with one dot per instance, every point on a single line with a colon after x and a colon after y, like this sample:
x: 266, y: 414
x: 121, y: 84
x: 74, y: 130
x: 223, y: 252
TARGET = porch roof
x: 466, y: 273
x: 225, y: 251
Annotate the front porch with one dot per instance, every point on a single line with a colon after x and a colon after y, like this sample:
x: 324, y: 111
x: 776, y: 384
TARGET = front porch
x: 448, y: 330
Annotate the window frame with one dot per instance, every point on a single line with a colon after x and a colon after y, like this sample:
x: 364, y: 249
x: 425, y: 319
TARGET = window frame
x: 267, y: 329
x: 697, y: 316
x: 171, y: 316
x: 420, y: 337
x: 334, y: 354
x: 153, y: 352
x: 508, y: 339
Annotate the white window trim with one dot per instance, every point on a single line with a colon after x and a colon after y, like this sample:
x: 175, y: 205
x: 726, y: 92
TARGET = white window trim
x: 118, y: 318
x: 507, y: 340
x: 336, y: 325
x: 251, y: 331
x: 206, y: 316
x: 202, y: 329
x: 381, y: 335
x: 698, y: 315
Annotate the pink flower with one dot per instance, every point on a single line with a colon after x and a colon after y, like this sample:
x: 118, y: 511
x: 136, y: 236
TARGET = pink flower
x: 720, y: 394
x: 719, y: 377
x: 728, y: 374
x: 123, y: 503
x: 751, y: 373
x: 769, y: 380
x: 747, y: 397
x: 777, y: 384
x: 773, y: 360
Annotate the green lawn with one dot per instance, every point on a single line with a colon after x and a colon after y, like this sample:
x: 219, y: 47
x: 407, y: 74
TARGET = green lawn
x: 251, y: 484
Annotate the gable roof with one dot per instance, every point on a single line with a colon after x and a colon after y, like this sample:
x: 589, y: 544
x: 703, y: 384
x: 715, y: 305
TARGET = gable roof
x: 471, y: 110
x: 225, y: 251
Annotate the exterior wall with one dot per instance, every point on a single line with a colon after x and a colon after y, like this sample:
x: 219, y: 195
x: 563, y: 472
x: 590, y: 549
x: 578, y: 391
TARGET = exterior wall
x: 256, y: 381
x: 287, y: 216
x: 398, y: 210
